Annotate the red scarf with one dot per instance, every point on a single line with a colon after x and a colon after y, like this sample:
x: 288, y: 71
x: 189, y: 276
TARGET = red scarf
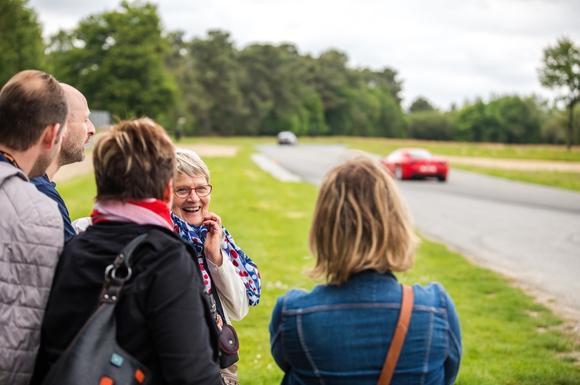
x: 143, y: 212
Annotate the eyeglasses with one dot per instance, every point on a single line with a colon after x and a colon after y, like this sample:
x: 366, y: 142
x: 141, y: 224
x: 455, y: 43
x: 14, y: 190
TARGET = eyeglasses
x: 201, y: 191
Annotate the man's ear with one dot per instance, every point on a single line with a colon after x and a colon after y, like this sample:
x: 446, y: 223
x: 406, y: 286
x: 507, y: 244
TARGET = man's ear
x: 51, y: 136
x: 168, y: 193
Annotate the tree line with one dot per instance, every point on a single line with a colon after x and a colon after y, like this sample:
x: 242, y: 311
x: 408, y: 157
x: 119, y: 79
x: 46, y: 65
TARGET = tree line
x: 125, y: 62
x: 502, y: 119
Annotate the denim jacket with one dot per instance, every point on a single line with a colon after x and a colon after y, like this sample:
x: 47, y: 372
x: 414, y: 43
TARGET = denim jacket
x: 340, y: 334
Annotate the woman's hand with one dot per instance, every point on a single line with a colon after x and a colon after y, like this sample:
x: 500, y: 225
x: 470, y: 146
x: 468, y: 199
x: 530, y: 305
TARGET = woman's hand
x: 214, y: 238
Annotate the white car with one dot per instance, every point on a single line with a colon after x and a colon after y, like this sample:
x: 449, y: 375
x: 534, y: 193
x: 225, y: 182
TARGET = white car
x: 287, y: 137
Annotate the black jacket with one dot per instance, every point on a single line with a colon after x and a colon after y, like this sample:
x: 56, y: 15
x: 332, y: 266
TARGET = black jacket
x: 163, y: 316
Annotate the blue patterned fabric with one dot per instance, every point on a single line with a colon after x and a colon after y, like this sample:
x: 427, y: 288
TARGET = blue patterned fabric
x: 245, y: 267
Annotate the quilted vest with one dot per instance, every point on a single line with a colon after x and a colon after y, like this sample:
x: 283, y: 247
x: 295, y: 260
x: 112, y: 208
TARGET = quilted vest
x: 31, y: 239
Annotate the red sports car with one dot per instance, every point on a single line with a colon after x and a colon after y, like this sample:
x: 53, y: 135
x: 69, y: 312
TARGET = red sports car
x: 409, y: 163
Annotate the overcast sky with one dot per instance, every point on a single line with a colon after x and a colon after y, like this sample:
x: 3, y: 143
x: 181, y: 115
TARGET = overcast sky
x: 445, y: 50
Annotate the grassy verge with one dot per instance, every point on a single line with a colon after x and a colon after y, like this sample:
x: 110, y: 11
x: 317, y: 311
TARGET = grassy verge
x: 79, y: 194
x: 565, y: 180
x: 508, y: 339
x: 383, y: 146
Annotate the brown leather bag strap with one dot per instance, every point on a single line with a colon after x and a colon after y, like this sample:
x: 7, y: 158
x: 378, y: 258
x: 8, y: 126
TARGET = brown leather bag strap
x: 398, y: 336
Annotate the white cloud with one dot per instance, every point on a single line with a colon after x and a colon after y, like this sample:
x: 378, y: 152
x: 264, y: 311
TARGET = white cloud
x: 446, y: 50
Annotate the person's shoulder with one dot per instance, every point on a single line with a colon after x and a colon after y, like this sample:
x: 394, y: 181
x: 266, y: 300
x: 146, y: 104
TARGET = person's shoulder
x: 166, y: 250
x: 322, y: 294
x: 295, y: 299
x: 45, y: 186
x: 41, y: 182
x: 12, y: 179
x: 29, y: 204
x: 161, y: 250
x: 164, y: 239
x: 432, y: 295
x: 117, y: 234
x: 29, y: 216
x: 8, y: 171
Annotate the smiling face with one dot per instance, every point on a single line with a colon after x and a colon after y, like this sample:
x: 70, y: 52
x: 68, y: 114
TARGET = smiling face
x: 192, y: 208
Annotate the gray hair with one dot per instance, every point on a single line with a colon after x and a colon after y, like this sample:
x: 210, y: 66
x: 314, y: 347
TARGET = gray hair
x: 189, y: 163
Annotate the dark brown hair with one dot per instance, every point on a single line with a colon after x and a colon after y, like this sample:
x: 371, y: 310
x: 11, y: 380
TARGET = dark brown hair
x: 29, y: 102
x: 134, y: 160
x: 360, y: 223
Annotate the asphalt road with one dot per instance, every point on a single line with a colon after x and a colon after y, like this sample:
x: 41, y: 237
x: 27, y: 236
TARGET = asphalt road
x: 528, y: 232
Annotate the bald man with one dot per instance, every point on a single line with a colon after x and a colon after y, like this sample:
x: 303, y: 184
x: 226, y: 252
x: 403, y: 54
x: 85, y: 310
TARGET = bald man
x: 79, y: 131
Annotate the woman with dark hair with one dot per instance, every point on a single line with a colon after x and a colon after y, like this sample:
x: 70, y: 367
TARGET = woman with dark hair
x: 163, y: 315
x: 340, y: 332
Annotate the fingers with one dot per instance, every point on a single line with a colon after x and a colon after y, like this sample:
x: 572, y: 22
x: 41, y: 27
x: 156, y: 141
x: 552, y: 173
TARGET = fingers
x: 212, y: 221
x: 212, y: 217
x: 213, y: 226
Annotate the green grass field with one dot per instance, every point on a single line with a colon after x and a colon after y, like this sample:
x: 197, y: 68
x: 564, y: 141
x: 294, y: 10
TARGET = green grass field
x: 507, y: 338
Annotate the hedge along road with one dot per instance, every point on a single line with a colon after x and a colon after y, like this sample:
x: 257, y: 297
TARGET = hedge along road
x: 527, y: 232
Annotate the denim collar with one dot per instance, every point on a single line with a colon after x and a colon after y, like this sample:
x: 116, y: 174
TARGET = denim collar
x: 373, y: 274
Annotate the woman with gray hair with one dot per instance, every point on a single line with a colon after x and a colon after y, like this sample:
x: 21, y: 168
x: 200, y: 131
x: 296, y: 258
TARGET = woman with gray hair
x: 224, y: 266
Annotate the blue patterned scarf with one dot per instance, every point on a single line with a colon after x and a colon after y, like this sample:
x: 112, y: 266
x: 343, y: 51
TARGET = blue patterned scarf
x: 245, y: 267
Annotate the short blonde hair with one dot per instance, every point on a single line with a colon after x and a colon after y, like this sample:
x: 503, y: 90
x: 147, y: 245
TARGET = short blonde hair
x: 190, y: 164
x: 360, y: 223
x: 134, y: 160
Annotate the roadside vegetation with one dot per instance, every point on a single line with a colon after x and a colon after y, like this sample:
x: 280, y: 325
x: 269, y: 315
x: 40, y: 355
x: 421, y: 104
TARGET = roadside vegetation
x: 383, y: 146
x: 565, y: 180
x: 508, y: 339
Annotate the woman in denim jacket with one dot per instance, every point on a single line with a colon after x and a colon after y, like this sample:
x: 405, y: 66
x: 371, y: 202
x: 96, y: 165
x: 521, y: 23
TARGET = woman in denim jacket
x: 339, y: 333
